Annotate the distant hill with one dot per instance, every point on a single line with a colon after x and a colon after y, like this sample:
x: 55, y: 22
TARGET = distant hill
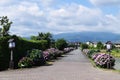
x: 88, y: 36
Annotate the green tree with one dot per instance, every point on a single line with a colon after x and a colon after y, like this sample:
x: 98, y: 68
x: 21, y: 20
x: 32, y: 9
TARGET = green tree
x: 61, y: 44
x: 84, y: 46
x: 44, y: 36
x: 6, y: 24
x: 100, y: 45
x: 33, y: 38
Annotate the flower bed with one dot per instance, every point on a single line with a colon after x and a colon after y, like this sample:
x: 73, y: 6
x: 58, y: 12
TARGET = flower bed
x: 104, y: 60
x: 53, y: 53
x: 66, y: 50
x: 37, y: 57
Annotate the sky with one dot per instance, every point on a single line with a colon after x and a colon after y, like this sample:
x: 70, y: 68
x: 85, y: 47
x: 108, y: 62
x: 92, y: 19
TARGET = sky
x: 60, y: 16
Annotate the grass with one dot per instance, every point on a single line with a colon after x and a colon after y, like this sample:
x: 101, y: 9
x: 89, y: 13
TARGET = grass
x: 116, y: 53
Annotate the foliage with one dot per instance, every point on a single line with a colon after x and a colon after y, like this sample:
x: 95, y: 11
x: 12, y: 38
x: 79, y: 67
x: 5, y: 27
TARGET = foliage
x: 100, y: 45
x: 104, y: 60
x: 92, y: 52
x: 4, y: 53
x: 19, y: 51
x: 37, y: 57
x: 68, y: 49
x: 33, y: 38
x: 25, y: 62
x: 6, y: 24
x: 46, y: 55
x: 52, y: 53
x: 44, y: 36
x: 61, y: 44
x: 115, y: 53
x: 84, y: 46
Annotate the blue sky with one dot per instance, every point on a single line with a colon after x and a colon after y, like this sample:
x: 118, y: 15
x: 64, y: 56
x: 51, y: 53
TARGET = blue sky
x: 57, y: 16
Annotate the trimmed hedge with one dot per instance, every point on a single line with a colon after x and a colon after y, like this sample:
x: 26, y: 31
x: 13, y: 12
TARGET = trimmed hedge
x: 4, y: 53
x: 20, y: 50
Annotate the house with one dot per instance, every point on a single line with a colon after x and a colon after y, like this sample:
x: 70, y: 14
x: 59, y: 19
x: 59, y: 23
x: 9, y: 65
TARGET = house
x: 117, y: 45
x: 90, y: 43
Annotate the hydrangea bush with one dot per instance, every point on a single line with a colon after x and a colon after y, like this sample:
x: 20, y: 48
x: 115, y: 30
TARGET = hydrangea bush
x: 66, y: 50
x: 104, y: 60
x: 25, y: 62
x: 37, y: 56
x: 53, y: 53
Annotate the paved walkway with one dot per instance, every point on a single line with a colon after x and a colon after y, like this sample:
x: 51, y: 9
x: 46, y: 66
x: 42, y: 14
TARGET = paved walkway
x: 74, y: 66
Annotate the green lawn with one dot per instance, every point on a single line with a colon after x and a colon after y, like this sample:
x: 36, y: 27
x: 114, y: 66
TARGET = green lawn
x: 116, y: 53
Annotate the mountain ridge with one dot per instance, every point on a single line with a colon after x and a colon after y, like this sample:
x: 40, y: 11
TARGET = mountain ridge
x: 88, y: 36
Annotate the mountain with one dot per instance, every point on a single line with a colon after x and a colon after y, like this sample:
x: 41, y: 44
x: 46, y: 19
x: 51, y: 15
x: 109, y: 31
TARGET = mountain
x: 88, y: 36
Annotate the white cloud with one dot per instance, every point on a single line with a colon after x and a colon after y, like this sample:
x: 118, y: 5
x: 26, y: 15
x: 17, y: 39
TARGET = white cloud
x: 31, y: 17
x: 47, y: 2
x: 4, y: 1
x: 72, y: 18
x: 106, y: 2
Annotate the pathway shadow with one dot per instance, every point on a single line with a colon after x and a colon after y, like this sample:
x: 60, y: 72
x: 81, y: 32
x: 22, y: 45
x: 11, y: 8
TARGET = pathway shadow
x: 48, y: 64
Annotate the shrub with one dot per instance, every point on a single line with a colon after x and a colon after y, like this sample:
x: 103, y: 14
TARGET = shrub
x: 92, y: 52
x: 104, y: 60
x: 22, y: 46
x: 100, y: 45
x: 4, y: 53
x: 84, y: 46
x: 25, y: 62
x: 37, y: 57
x: 68, y: 49
x: 46, y: 55
x: 61, y: 44
x: 52, y: 53
x: 19, y: 51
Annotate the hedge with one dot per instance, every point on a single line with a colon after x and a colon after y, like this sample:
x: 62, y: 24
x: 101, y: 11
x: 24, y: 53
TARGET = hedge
x: 20, y: 50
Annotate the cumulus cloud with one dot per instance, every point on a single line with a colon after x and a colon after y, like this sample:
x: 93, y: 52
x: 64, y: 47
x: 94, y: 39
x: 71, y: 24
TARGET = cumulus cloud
x: 75, y: 15
x: 31, y: 17
x: 4, y: 1
x: 106, y: 2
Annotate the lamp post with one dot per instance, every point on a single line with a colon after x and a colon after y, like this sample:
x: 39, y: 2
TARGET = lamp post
x: 109, y: 47
x: 11, y: 46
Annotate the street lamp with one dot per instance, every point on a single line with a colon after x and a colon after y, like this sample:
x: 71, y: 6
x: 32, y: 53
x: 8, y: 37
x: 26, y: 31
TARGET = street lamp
x: 11, y: 46
x: 109, y: 47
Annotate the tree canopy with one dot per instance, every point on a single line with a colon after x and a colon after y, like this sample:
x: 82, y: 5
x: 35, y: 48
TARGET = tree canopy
x: 5, y: 24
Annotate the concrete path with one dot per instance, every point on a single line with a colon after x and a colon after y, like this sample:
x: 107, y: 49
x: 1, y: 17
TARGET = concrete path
x: 74, y: 66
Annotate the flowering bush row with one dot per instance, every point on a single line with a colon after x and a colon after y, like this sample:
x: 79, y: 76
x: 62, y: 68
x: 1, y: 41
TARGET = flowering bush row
x: 25, y: 62
x: 53, y: 53
x: 90, y: 53
x: 37, y: 57
x: 104, y: 60
x: 33, y: 58
x: 66, y: 50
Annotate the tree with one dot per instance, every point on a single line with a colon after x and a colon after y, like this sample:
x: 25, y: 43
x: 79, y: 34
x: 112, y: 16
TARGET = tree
x: 33, y: 37
x: 100, y: 45
x: 6, y: 24
x: 84, y: 46
x: 61, y: 44
x: 44, y: 36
